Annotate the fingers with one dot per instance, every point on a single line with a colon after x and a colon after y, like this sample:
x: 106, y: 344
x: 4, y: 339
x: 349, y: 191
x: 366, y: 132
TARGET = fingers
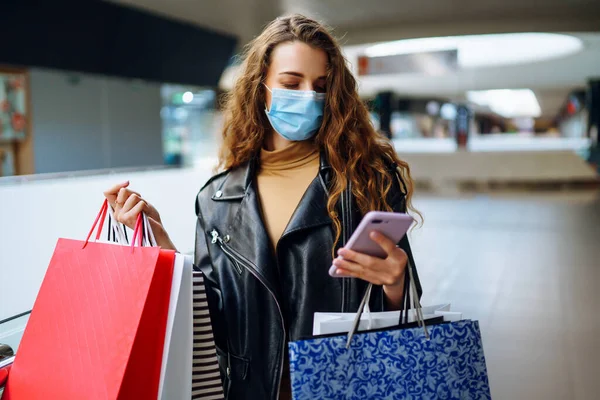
x: 130, y: 202
x: 111, y: 194
x: 124, y: 195
x: 129, y: 216
x: 127, y: 206
x: 384, y: 242
x: 348, y: 266
x: 356, y: 257
x: 349, y: 269
x: 389, y: 271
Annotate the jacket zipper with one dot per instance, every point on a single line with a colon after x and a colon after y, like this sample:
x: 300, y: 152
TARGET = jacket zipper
x: 216, y: 238
x: 237, y: 258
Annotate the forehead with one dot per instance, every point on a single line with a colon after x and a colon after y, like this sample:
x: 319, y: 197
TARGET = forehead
x: 298, y: 57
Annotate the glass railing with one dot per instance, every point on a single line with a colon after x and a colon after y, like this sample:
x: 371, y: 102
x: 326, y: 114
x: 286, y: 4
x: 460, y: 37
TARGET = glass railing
x: 12, y: 180
x: 11, y: 332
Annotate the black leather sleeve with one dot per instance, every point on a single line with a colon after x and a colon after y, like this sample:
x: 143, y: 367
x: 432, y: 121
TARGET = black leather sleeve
x: 202, y: 262
x: 399, y: 205
x: 397, y: 200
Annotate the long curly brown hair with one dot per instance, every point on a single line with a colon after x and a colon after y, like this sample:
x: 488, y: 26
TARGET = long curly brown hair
x: 353, y: 148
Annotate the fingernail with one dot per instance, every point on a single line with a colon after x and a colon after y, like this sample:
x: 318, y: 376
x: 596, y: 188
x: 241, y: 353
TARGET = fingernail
x: 374, y: 235
x: 342, y: 252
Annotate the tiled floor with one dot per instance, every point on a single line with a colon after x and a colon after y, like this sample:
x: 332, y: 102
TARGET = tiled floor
x: 528, y: 268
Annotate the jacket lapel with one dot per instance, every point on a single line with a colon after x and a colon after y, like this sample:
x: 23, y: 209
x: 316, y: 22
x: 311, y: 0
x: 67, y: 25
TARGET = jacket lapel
x: 312, y: 209
x: 245, y: 226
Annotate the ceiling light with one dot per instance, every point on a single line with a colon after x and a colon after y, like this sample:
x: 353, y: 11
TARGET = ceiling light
x: 448, y: 111
x: 487, y: 50
x: 432, y: 107
x: 188, y: 97
x: 509, y: 103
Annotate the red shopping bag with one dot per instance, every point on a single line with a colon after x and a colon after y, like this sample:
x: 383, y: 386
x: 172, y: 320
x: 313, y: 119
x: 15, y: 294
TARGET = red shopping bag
x: 98, y: 324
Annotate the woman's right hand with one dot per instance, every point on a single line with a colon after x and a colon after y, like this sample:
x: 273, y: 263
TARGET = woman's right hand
x: 128, y: 204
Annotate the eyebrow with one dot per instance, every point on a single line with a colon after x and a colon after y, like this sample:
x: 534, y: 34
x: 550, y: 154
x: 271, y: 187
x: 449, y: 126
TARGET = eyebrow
x: 299, y: 75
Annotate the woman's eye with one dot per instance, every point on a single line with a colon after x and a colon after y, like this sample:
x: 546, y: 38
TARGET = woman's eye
x: 319, y: 89
x: 290, y: 85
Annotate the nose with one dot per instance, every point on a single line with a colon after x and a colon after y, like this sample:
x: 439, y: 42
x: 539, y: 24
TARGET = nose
x: 307, y: 85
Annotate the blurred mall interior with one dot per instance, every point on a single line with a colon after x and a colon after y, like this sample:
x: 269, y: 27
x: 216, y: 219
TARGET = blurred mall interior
x: 494, y: 104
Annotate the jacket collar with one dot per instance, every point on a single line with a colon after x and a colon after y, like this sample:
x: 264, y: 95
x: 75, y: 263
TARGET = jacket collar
x: 246, y: 224
x: 239, y: 180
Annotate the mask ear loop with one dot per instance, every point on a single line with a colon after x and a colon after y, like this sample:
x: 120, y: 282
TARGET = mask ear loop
x: 266, y: 106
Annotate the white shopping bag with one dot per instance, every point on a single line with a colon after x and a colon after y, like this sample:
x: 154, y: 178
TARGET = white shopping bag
x: 176, y: 369
x: 329, y: 323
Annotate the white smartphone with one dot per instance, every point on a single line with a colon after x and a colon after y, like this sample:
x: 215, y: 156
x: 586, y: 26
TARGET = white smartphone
x: 392, y: 225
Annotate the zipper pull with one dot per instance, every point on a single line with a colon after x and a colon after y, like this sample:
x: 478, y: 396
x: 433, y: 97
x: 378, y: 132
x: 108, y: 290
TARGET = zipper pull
x: 228, y: 370
x: 215, y: 236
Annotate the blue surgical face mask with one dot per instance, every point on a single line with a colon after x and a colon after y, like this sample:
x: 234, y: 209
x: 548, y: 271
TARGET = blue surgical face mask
x: 296, y: 114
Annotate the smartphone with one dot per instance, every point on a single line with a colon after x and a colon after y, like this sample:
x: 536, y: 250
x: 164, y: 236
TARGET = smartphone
x: 392, y: 225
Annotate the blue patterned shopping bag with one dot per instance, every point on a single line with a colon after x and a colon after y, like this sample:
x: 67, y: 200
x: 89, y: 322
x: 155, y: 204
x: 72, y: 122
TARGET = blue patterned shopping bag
x: 392, y: 364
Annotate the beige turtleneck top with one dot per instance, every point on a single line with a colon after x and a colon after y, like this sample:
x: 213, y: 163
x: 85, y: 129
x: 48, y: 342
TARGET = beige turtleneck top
x: 282, y: 180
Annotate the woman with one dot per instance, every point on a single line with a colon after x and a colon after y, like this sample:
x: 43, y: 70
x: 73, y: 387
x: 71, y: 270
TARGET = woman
x: 301, y: 164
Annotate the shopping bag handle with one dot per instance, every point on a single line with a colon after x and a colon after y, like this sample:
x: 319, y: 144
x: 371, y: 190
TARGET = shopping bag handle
x: 119, y: 234
x: 149, y: 234
x: 99, y: 218
x: 361, y: 308
x: 116, y: 228
x: 142, y: 230
x: 99, y: 222
x: 410, y: 300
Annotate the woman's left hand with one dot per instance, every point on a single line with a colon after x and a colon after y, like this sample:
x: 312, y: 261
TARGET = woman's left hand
x: 388, y: 272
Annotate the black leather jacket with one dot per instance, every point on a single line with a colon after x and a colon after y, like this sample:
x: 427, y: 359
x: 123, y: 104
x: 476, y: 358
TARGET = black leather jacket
x: 256, y: 293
